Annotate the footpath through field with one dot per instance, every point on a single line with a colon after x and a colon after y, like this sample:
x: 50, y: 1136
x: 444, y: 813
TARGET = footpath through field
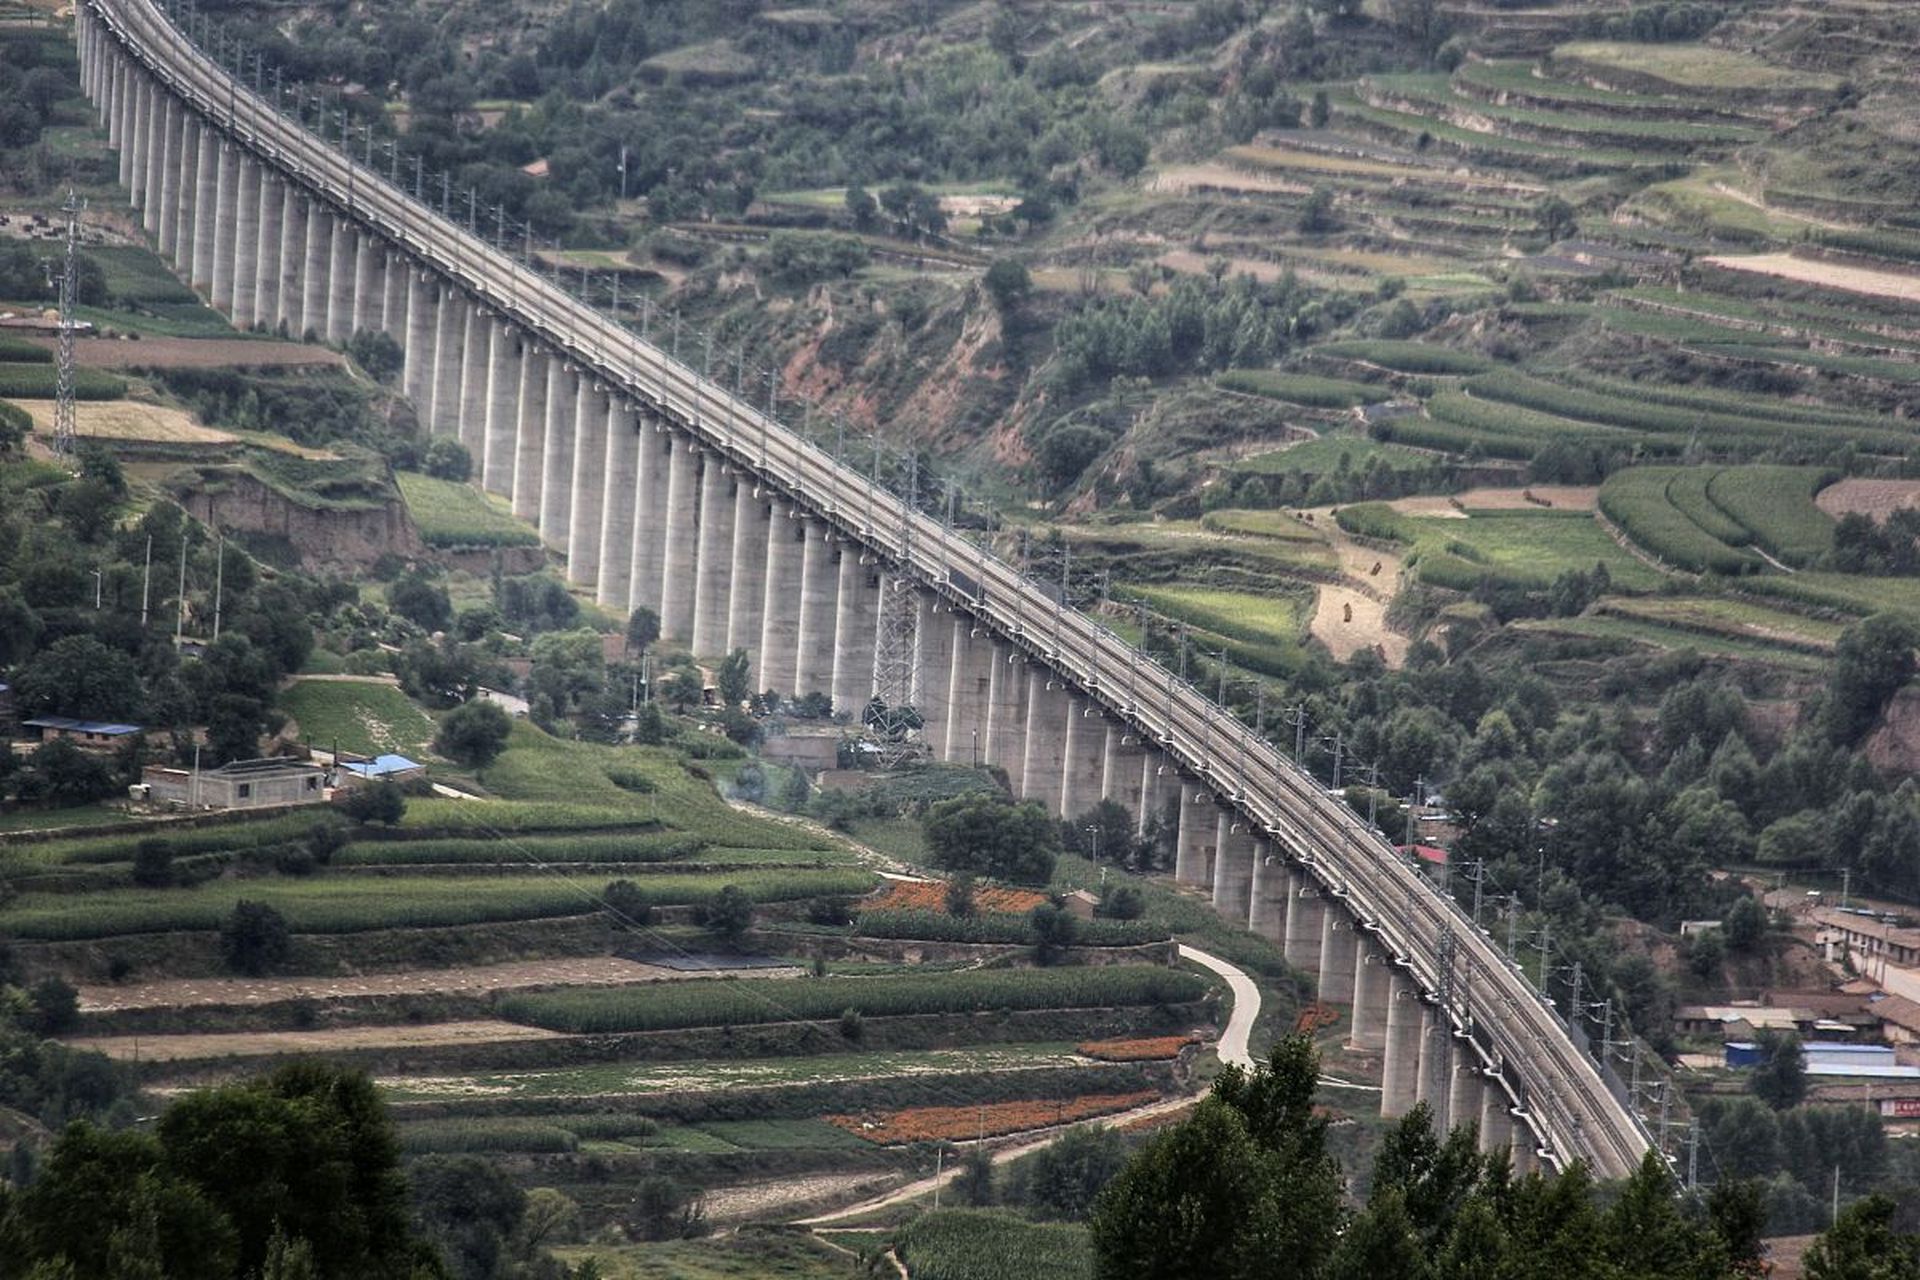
x: 1232, y: 1049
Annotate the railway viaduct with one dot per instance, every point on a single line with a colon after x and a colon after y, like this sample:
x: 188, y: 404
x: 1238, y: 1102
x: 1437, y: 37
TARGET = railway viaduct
x: 661, y: 489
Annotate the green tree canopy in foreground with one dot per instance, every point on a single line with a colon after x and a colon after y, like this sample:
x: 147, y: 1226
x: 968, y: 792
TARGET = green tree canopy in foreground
x: 1247, y: 1181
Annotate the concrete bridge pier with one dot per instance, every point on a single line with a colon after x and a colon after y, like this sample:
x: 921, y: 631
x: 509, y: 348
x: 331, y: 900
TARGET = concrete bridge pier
x: 1193, y: 849
x: 226, y: 217
x: 680, y: 558
x: 267, y: 267
x: 589, y: 493
x: 168, y: 214
x: 206, y: 207
x: 819, y: 601
x: 653, y: 458
x: 556, y: 451
x: 780, y: 623
x: 152, y: 157
x: 1233, y: 869
x: 856, y: 631
x: 933, y: 664
x: 1043, y: 752
x: 1006, y: 727
x: 1159, y: 795
x: 1436, y: 1064
x: 1372, y: 989
x: 967, y: 689
x: 394, y: 272
x: 1306, y: 913
x: 470, y: 357
x: 713, y: 560
x: 1084, y: 768
x: 186, y: 188
x: 370, y: 301
x: 1525, y: 1148
x: 246, y: 244
x: 747, y: 585
x: 1400, y: 1067
x: 1339, y: 956
x: 1267, y: 909
x: 443, y: 400
x: 496, y: 460
x: 530, y: 412
x: 621, y: 464
x: 1120, y: 774
x: 1496, y: 1116
x: 1463, y: 1098
x: 291, y: 319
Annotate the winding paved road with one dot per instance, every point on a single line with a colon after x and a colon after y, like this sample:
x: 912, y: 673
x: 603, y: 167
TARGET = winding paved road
x: 1232, y: 1048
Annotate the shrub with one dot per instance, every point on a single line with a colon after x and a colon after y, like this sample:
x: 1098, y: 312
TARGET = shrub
x: 730, y: 914
x: 628, y: 904
x: 255, y: 938
x: 152, y: 864
x: 56, y: 1006
x: 473, y: 734
x: 376, y: 802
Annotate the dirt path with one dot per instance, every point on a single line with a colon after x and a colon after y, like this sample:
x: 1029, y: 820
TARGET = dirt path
x: 247, y: 1044
x: 1353, y: 615
x: 582, y: 972
x: 1832, y: 275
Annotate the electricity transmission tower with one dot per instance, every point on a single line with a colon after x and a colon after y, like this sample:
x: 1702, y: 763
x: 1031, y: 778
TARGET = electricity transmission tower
x: 68, y: 278
x: 894, y: 719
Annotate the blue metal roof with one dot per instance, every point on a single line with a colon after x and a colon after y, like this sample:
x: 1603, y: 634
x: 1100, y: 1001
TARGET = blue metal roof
x: 380, y: 766
x: 71, y: 725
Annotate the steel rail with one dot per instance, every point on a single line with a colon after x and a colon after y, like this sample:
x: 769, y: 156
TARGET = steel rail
x: 1558, y: 1087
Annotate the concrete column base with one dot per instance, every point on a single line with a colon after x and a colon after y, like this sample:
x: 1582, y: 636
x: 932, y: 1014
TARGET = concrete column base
x: 1400, y: 1070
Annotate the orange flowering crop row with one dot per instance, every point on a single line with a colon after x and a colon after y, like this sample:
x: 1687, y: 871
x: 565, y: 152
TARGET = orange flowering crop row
x: 991, y: 1120
x: 1149, y: 1049
x: 931, y: 895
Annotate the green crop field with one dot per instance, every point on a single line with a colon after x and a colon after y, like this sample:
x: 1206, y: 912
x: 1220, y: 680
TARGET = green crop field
x: 1407, y: 357
x: 1694, y: 66
x: 1322, y: 455
x: 1652, y: 635
x: 1262, y: 524
x: 749, y: 1000
x: 1257, y: 619
x: 1524, y: 547
x: 37, y: 381
x: 1737, y: 619
x: 974, y: 1244
x: 450, y: 514
x: 1775, y: 505
x: 737, y: 1255
x: 1637, y: 500
x: 352, y: 904
x: 364, y: 717
x: 1303, y: 388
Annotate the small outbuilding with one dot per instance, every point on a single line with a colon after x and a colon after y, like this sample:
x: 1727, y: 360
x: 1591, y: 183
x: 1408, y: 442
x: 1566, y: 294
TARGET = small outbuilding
x: 387, y: 768
x: 90, y: 735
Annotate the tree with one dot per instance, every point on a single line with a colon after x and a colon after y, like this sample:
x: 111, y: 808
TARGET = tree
x: 153, y: 864
x: 730, y: 914
x: 1008, y: 284
x: 628, y: 904
x: 375, y: 351
x: 1317, y: 215
x: 56, y: 1006
x: 447, y: 459
x: 795, y: 793
x: 665, y: 1210
x: 78, y: 676
x: 1054, y: 930
x: 734, y: 678
x: 960, y: 896
x: 381, y: 802
x: 468, y: 1208
x: 1320, y: 111
x: 1557, y: 218
x: 974, y: 1186
x: 1065, y: 1178
x: 473, y: 734
x: 1121, y: 901
x: 1745, y: 924
x: 1780, y: 1080
x: 1863, y: 1245
x: 1873, y: 659
x: 255, y: 938
x: 986, y: 836
x: 421, y: 602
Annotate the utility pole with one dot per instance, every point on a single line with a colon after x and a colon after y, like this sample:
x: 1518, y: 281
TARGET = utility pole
x: 146, y: 582
x: 63, y: 406
x: 180, y: 601
x: 219, y: 583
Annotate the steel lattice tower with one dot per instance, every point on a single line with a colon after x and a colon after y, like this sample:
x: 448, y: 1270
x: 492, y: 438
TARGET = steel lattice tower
x: 63, y: 410
x: 895, y: 722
